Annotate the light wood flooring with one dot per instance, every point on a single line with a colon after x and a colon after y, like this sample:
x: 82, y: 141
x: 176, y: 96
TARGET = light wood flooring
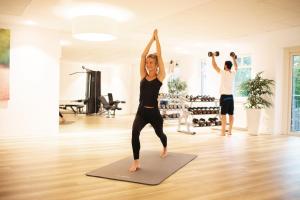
x: 53, y: 167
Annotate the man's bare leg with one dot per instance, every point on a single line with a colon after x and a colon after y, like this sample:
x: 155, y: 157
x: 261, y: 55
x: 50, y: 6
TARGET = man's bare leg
x: 223, y: 121
x: 231, y: 119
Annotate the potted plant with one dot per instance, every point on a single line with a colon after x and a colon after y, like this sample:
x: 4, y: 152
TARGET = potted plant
x: 176, y: 86
x: 257, y: 90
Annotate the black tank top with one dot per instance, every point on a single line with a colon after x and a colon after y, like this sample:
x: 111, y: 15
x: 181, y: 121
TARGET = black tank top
x: 149, y: 92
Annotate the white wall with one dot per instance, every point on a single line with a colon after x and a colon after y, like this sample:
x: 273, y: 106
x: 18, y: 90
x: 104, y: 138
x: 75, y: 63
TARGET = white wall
x: 34, y: 73
x: 268, y: 52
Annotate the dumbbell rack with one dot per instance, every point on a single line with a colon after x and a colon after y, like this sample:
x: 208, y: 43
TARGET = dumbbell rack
x: 174, y: 105
x: 187, y: 115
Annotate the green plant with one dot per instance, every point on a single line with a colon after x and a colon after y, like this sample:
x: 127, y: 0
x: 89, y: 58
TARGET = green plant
x: 176, y: 86
x: 257, y: 91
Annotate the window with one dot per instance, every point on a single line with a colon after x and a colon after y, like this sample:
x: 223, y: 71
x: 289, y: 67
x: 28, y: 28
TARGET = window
x: 243, y: 73
x: 208, y: 76
x: 295, y: 122
x: 210, y: 80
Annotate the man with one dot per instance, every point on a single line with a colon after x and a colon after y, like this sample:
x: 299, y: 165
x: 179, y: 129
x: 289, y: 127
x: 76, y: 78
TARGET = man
x: 226, y: 88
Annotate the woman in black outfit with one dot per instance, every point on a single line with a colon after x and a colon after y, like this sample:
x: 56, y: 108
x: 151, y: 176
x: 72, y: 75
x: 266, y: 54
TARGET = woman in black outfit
x: 152, y: 73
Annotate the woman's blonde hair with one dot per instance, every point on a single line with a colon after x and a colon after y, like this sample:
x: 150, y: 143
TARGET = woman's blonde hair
x: 153, y: 56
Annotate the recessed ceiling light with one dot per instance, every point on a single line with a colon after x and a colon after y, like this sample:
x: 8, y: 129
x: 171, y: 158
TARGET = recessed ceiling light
x: 100, y: 37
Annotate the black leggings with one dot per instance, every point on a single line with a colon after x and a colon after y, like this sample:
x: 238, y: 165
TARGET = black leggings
x: 143, y: 117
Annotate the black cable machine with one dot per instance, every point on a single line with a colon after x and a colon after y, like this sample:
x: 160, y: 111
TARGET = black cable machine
x: 92, y: 91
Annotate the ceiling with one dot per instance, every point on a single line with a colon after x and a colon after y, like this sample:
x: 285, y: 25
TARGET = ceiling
x: 180, y: 23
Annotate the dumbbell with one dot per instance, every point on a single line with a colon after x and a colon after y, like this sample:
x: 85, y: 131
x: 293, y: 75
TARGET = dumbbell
x: 216, y: 110
x: 210, y: 98
x: 200, y: 110
x: 201, y: 122
x: 210, y: 54
x: 213, y: 121
x: 233, y: 55
x: 195, y: 121
x: 203, y: 111
x: 211, y: 110
x: 196, y: 111
x: 208, y: 123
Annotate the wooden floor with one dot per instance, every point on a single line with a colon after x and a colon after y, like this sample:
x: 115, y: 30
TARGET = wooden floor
x: 53, y: 167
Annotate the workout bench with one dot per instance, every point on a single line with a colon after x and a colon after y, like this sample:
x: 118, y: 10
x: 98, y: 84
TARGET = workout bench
x: 76, y: 108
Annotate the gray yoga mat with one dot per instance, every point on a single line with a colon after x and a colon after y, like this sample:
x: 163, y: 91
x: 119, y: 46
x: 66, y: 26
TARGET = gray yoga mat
x: 153, y: 171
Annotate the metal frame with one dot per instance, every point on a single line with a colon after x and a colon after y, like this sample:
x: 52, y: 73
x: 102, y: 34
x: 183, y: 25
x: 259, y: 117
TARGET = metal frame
x: 292, y: 52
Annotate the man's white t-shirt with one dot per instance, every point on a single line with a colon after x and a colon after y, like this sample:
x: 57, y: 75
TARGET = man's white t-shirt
x: 227, y: 78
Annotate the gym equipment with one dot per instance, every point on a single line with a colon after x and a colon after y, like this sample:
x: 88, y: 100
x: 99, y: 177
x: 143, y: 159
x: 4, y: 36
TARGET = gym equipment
x: 76, y: 108
x: 233, y: 55
x: 204, y: 98
x: 203, y: 110
x: 195, y: 121
x: 210, y: 54
x: 213, y: 121
x: 108, y: 107
x: 193, y: 105
x: 202, y: 122
x: 171, y: 116
x: 153, y: 171
x: 92, y: 91
x: 114, y: 103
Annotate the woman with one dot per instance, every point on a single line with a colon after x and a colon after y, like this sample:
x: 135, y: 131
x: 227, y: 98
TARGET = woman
x: 152, y: 73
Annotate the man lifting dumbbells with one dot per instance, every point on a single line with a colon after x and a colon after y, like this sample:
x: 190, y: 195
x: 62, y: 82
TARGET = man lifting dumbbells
x: 226, y: 89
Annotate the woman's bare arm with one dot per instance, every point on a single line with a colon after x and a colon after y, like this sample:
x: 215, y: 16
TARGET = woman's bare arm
x: 162, y: 72
x: 143, y: 71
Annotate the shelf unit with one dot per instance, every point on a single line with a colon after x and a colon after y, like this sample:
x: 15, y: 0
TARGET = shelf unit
x: 170, y: 106
x: 185, y: 121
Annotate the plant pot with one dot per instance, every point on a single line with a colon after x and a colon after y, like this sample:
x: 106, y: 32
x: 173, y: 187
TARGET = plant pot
x: 253, y: 121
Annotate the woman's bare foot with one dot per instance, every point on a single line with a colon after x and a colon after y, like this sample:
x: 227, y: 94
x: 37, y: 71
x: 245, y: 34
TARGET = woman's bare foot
x: 164, y: 153
x: 134, y: 166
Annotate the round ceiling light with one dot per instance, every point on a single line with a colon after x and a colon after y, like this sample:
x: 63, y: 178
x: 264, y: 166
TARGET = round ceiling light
x: 93, y: 28
x: 95, y: 8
